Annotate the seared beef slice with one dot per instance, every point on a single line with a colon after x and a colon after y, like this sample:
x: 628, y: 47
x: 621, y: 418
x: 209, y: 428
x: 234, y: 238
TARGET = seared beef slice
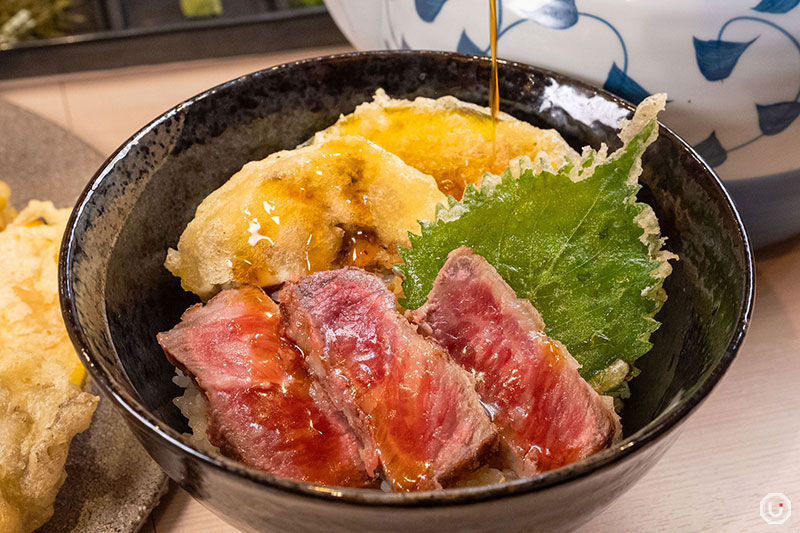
x: 401, y: 392
x: 262, y: 408
x: 547, y: 414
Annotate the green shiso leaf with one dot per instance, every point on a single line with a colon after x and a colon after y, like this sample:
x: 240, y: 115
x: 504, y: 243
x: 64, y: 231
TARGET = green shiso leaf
x: 574, y: 242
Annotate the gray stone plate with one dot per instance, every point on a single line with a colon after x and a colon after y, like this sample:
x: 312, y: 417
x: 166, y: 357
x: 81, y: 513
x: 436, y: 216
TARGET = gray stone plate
x: 112, y: 484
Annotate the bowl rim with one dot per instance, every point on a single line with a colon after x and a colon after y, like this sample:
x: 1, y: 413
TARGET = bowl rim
x: 138, y: 414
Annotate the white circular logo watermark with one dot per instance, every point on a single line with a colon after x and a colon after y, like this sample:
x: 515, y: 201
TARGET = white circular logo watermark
x: 776, y: 508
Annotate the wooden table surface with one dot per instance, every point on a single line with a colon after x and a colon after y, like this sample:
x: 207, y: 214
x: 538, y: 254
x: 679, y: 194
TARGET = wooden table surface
x: 740, y: 445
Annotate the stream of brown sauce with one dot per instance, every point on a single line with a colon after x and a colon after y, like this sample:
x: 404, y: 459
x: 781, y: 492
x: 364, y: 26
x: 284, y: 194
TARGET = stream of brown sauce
x: 494, y: 85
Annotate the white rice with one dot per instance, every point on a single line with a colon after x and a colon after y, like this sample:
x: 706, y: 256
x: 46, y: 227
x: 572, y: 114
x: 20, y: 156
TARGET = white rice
x: 193, y: 406
x: 485, y: 475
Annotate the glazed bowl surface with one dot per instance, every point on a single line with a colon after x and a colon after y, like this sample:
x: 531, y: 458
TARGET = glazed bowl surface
x: 116, y: 295
x: 730, y: 68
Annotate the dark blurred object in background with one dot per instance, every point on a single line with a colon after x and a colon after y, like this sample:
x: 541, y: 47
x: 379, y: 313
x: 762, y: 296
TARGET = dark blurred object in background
x: 39, y: 37
x: 201, y: 8
x: 22, y: 20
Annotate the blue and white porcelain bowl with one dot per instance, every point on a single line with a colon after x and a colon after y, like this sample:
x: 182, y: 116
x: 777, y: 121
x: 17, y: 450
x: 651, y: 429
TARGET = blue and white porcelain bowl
x: 731, y: 69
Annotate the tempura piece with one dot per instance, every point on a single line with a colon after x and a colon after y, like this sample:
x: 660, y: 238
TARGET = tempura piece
x: 41, y: 403
x: 7, y: 213
x: 343, y: 202
x: 447, y: 138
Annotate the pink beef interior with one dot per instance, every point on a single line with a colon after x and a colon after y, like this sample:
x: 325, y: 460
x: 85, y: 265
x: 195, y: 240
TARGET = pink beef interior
x: 547, y: 414
x: 400, y: 392
x: 262, y: 407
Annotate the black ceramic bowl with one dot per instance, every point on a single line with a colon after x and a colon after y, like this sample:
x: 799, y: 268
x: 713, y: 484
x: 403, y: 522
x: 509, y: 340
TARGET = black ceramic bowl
x: 116, y: 295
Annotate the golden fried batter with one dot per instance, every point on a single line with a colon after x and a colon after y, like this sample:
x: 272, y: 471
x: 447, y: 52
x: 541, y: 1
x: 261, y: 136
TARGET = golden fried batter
x: 342, y: 202
x: 42, y: 405
x: 7, y: 214
x: 447, y: 138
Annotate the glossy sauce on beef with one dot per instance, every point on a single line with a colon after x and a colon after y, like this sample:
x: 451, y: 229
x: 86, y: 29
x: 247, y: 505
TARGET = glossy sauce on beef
x: 263, y: 409
x: 400, y: 392
x: 547, y: 414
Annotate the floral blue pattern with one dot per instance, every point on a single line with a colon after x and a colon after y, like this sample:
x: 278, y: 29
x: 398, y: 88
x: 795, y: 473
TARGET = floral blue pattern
x: 774, y: 118
x: 776, y: 6
x: 619, y: 83
x: 428, y: 9
x: 466, y: 46
x: 560, y: 15
x: 717, y: 59
x: 711, y: 150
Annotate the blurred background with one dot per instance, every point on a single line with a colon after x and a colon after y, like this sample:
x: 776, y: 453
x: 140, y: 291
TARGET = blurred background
x: 45, y: 37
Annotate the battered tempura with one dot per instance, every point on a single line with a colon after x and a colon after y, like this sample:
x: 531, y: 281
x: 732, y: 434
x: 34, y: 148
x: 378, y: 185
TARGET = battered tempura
x: 7, y: 214
x: 42, y: 405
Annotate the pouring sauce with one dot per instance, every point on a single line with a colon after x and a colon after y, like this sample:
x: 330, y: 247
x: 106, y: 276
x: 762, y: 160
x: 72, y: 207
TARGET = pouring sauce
x: 494, y: 86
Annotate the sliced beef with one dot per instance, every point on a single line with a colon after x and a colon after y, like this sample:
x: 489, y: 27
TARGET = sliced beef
x: 401, y: 392
x: 262, y: 407
x: 547, y: 414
